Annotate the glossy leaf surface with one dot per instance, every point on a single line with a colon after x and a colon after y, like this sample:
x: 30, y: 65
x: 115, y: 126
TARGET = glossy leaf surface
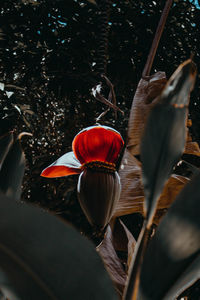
x: 43, y: 258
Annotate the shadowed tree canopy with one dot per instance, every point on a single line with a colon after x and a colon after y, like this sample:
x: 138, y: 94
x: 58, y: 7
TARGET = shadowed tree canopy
x: 49, y: 62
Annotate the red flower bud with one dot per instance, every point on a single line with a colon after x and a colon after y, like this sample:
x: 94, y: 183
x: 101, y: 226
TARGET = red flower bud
x: 98, y: 194
x: 97, y: 143
x: 95, y: 153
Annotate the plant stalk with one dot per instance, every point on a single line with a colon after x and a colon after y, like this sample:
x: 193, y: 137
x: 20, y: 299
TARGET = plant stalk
x: 132, y: 285
x: 156, y: 40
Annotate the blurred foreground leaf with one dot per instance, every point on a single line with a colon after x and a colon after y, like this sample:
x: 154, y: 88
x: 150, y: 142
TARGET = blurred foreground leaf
x: 172, y: 259
x: 165, y: 135
x: 162, y: 145
x: 43, y: 258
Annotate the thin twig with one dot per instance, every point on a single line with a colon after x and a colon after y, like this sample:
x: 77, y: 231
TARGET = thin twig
x: 112, y: 96
x: 23, y: 134
x: 102, y: 115
x: 100, y: 98
x: 12, y: 86
x: 156, y: 40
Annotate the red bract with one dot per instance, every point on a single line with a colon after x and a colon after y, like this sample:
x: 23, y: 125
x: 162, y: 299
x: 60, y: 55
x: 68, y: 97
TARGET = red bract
x: 97, y: 143
x: 95, y: 153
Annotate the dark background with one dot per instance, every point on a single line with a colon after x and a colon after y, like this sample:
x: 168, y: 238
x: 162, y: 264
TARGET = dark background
x: 48, y: 56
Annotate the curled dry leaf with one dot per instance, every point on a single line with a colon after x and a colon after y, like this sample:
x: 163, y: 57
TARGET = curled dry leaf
x: 173, y: 187
x: 131, y: 243
x: 123, y: 241
x: 112, y: 261
x: 148, y: 90
x: 132, y: 194
x: 191, y: 147
x: 120, y: 240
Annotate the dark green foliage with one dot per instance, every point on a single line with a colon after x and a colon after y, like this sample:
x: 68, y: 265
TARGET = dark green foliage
x: 165, y: 135
x: 162, y: 145
x: 43, y: 258
x: 49, y: 67
x: 5, y: 143
x: 12, y: 170
x: 175, y: 248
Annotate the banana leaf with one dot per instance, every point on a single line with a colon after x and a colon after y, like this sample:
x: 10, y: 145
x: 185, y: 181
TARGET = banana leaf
x: 41, y: 257
x: 172, y: 259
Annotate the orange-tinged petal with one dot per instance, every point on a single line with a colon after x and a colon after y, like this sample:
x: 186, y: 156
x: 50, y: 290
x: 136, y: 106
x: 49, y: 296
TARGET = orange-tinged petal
x: 64, y: 166
x: 59, y: 171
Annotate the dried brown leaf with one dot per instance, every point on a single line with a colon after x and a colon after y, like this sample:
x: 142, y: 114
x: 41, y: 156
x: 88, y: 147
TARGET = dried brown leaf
x: 132, y: 194
x: 111, y: 261
x: 191, y: 147
x: 171, y: 190
x: 131, y: 243
x: 148, y: 90
x: 123, y: 240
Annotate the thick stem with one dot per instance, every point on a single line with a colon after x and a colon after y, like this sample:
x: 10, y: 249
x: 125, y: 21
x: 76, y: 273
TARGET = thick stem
x: 156, y: 40
x: 133, y: 280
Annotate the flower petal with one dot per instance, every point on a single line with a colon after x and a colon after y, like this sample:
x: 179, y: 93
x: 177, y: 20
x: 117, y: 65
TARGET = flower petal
x: 97, y: 143
x: 64, y: 166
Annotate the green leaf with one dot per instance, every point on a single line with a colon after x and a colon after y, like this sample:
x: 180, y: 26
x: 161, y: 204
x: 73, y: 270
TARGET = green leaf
x: 172, y: 259
x: 5, y: 144
x: 43, y: 258
x: 165, y: 134
x: 12, y: 171
x: 187, y: 279
x: 162, y: 145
